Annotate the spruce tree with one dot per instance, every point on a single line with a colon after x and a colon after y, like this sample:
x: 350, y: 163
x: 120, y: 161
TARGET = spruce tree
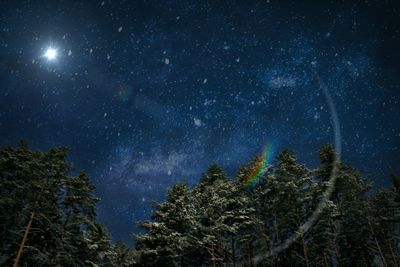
x: 123, y: 256
x: 255, y: 241
x: 36, y: 191
x: 99, y: 250
x: 220, y: 222
x: 385, y: 224
x: 223, y: 214
x: 31, y: 184
x: 353, y: 245
x: 294, y: 205
x: 168, y: 239
x: 80, y: 214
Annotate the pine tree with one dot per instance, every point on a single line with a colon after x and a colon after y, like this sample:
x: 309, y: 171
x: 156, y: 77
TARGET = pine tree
x: 322, y: 237
x: 79, y: 212
x: 240, y: 217
x: 168, y: 240
x: 220, y: 222
x: 255, y: 241
x: 123, y: 256
x: 354, y: 245
x: 295, y: 198
x: 36, y: 191
x: 200, y: 226
x: 385, y: 224
x: 323, y: 234
x: 100, y: 252
x: 31, y: 184
x: 223, y: 214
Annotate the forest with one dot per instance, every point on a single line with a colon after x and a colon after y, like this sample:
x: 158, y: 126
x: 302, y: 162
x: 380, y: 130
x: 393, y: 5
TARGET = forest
x: 48, y: 217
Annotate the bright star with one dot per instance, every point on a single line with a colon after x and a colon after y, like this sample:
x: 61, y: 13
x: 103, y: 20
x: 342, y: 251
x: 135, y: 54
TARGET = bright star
x: 51, y: 53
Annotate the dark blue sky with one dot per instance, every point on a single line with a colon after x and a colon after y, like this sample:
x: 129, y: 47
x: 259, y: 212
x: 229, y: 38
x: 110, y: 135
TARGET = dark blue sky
x: 147, y: 93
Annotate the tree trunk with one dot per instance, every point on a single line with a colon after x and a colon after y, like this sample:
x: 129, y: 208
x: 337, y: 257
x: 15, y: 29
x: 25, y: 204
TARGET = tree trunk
x: 380, y: 252
x: 212, y: 255
x: 278, y: 241
x: 251, y: 256
x: 22, y: 244
x: 377, y: 245
x: 337, y: 254
x: 325, y: 260
x: 393, y: 255
x: 233, y: 251
x: 304, y: 250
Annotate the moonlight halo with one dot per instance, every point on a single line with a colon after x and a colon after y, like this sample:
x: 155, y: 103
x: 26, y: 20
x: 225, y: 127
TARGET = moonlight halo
x: 51, y: 53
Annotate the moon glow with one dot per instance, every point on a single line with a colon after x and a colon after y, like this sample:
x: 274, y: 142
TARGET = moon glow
x: 51, y: 54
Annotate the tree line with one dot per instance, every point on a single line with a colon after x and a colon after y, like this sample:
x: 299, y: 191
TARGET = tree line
x: 48, y: 217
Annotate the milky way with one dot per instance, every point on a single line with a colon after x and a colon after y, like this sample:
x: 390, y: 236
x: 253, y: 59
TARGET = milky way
x: 146, y: 93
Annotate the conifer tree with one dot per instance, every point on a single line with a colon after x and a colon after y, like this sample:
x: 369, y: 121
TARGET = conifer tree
x: 79, y: 205
x: 256, y: 240
x: 100, y: 251
x: 223, y: 214
x: 233, y: 225
x: 35, y: 190
x: 123, y: 256
x: 168, y: 239
x: 385, y: 224
x: 217, y: 223
x: 323, y: 234
x: 295, y: 199
x: 31, y: 184
x: 353, y: 242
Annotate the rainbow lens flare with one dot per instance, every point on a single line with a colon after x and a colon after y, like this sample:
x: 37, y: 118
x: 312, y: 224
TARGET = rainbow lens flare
x: 259, y: 168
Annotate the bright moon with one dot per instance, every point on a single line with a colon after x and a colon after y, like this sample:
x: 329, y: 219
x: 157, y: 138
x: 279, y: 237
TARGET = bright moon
x: 51, y: 53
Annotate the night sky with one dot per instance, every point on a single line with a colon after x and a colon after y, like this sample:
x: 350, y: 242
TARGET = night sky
x: 148, y: 93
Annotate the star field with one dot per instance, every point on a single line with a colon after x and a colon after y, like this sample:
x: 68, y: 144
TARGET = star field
x: 148, y: 93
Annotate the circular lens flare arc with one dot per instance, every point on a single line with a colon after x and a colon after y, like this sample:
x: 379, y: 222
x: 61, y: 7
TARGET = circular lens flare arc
x: 331, y: 183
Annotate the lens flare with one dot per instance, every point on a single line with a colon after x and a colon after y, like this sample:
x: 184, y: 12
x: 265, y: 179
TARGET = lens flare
x: 259, y: 168
x: 51, y: 53
x: 124, y: 92
x: 331, y: 183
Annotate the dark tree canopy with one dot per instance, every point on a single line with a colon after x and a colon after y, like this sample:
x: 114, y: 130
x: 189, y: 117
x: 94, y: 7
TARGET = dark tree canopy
x: 230, y: 225
x: 218, y: 222
x: 36, y: 186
